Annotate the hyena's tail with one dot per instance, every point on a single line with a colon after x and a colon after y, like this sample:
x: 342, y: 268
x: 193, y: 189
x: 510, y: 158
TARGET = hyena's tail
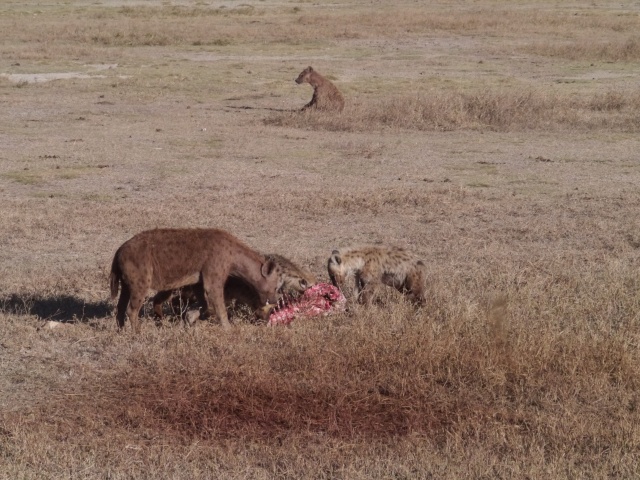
x: 114, y: 278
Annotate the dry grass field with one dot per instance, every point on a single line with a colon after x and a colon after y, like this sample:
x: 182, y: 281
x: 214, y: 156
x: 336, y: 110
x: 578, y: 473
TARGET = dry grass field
x: 498, y: 140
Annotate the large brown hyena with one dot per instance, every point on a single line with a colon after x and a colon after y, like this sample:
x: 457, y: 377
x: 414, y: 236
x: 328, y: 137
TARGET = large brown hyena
x: 373, y: 266
x: 325, y: 94
x: 166, y: 259
x: 293, y: 280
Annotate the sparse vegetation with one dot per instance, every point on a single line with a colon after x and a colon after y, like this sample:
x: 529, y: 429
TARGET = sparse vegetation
x: 620, y: 50
x: 492, y: 140
x: 487, y: 109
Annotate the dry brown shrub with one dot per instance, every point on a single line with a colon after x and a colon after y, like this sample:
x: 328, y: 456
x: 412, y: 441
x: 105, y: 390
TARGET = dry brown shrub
x: 144, y: 25
x: 513, y: 376
x: 622, y: 50
x: 527, y: 363
x: 369, y: 202
x: 499, y: 110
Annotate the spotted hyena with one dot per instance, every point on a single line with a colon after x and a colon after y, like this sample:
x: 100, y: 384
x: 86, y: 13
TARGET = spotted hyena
x: 293, y: 281
x: 166, y: 259
x: 374, y: 266
x: 326, y: 96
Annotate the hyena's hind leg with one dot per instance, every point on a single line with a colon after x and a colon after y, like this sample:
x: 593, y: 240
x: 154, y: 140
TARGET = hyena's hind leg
x: 133, y: 310
x: 138, y: 289
x: 123, y: 302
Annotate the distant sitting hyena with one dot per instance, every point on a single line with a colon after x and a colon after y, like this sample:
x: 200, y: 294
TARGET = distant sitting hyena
x: 166, y: 259
x: 293, y: 280
x: 325, y: 94
x: 373, y: 266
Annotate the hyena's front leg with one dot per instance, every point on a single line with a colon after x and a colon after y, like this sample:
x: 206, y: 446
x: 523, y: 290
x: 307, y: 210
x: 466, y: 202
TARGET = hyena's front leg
x: 313, y: 101
x: 358, y: 287
x: 415, y: 284
x: 366, y: 288
x: 369, y: 292
x: 214, y: 298
x: 370, y: 283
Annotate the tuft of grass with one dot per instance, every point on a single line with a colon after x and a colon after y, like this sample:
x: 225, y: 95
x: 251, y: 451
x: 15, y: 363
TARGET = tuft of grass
x: 146, y: 12
x: 25, y: 177
x: 619, y: 50
x: 42, y: 175
x: 468, y: 374
x: 499, y: 110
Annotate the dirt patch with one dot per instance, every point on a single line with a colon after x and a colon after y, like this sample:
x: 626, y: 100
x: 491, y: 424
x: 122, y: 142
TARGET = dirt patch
x: 48, y: 77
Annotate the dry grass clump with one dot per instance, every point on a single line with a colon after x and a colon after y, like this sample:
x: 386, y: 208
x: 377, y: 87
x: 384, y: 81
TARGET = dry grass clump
x: 461, y: 20
x: 392, y: 199
x: 178, y: 11
x: 529, y: 381
x: 619, y: 50
x: 163, y: 25
x: 499, y: 110
x: 136, y: 26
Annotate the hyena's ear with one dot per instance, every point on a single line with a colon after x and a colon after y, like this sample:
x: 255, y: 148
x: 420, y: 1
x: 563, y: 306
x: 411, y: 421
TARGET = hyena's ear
x: 268, y: 267
x: 310, y: 68
x: 335, y: 257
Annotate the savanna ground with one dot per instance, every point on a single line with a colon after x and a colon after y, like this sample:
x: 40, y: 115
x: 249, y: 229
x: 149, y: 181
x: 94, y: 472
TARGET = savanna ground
x: 499, y: 140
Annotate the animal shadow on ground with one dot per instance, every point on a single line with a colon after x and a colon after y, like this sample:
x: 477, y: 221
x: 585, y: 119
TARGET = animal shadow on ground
x: 70, y: 309
x: 61, y: 308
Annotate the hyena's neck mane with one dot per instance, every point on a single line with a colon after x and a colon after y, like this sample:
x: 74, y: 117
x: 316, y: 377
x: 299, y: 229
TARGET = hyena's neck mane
x: 315, y: 79
x: 247, y: 264
x: 353, y: 262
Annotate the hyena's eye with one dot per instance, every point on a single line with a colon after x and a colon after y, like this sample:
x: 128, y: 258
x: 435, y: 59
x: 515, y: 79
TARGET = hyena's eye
x: 303, y: 283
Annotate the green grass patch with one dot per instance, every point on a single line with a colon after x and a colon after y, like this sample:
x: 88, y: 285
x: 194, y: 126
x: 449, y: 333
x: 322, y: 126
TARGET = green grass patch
x: 25, y: 177
x: 31, y: 176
